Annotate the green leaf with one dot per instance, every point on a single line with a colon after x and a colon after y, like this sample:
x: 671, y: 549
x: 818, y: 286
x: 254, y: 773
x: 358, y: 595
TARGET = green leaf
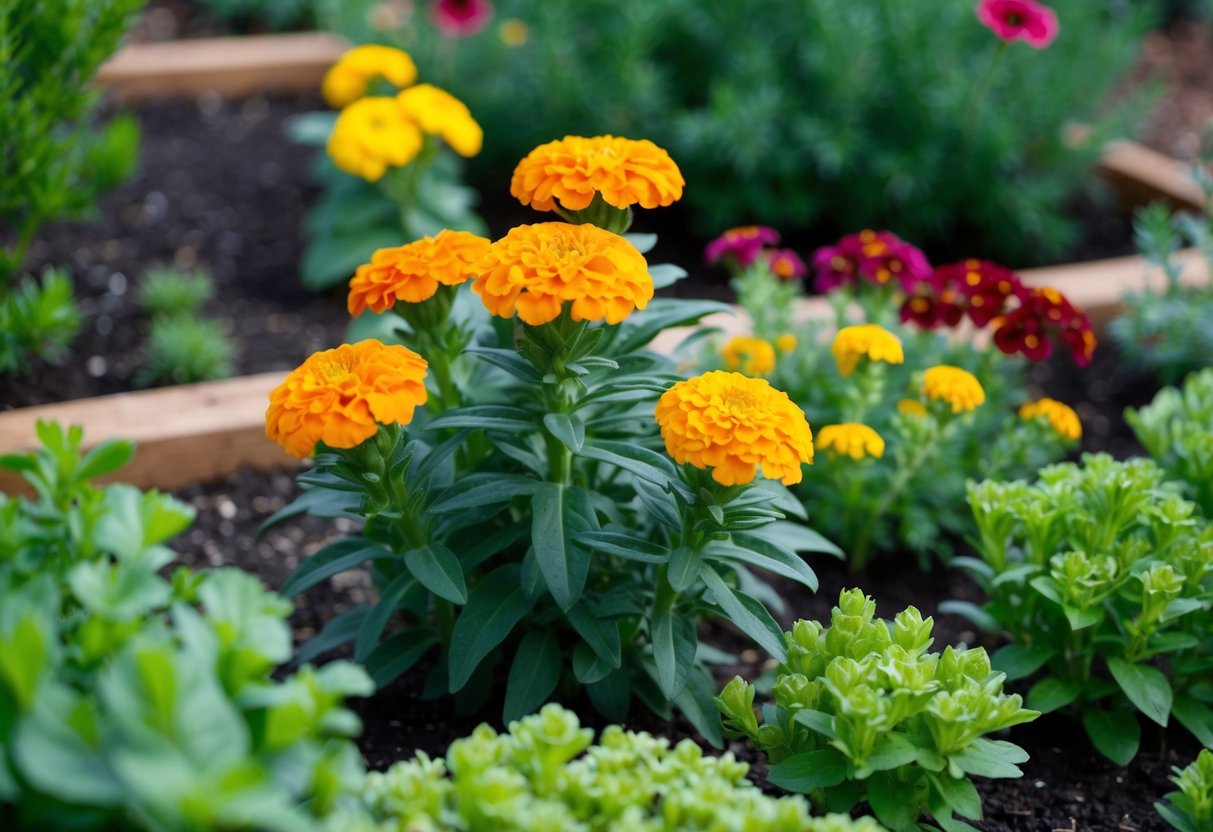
x: 765, y: 555
x: 1175, y: 817
x: 1019, y: 661
x: 339, y: 630
x: 666, y: 274
x: 1196, y: 716
x: 797, y: 538
x: 105, y: 458
x: 563, y: 564
x: 697, y: 704
x: 508, y: 360
x: 54, y: 756
x: 377, y: 619
x: 533, y: 676
x: 588, y: 666
x: 568, y: 429
x: 636, y: 459
x: 612, y: 695
x: 891, y: 751
x: 975, y: 615
x: 685, y: 568
x: 625, y: 546
x: 1115, y: 734
x: 494, y: 606
x: 438, y: 570
x: 396, y: 654
x: 333, y: 257
x: 662, y: 314
x: 602, y: 635
x: 894, y: 801
x: 1051, y: 693
x: 809, y: 771
x: 959, y: 793
x: 478, y: 490
x: 1146, y: 687
x: 990, y: 758
x: 674, y: 645
x: 332, y: 560
x: 750, y: 616
x: 818, y: 721
x: 486, y: 416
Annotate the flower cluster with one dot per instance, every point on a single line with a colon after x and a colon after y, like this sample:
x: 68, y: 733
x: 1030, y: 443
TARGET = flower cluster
x: 746, y: 245
x: 958, y: 389
x: 1026, y: 20
x: 1045, y: 316
x: 877, y: 257
x: 1060, y: 416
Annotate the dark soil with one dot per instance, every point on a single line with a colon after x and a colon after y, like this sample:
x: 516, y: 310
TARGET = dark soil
x: 1181, y: 57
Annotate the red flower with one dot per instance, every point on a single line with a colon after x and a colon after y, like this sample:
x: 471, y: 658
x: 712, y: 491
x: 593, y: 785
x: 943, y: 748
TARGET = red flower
x: 986, y: 286
x: 932, y: 311
x: 1025, y: 20
x: 875, y: 256
x: 838, y: 264
x: 743, y: 244
x: 461, y: 18
x: 1045, y: 315
x: 786, y: 263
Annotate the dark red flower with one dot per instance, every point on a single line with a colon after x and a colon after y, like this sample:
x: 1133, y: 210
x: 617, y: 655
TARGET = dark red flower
x: 986, y: 286
x: 878, y: 257
x: 1045, y: 315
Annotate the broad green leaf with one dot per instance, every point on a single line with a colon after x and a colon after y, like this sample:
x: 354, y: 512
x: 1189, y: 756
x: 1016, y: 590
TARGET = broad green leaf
x: 568, y: 429
x: 972, y: 613
x: 697, y: 703
x: 563, y: 564
x: 674, y: 646
x: 818, y: 721
x: 105, y: 458
x: 533, y: 676
x: 488, y: 417
x: 494, y: 606
x: 1051, y: 693
x: 333, y: 559
x: 396, y: 654
x: 894, y: 801
x: 959, y: 793
x: 1019, y: 661
x: 747, y: 614
x: 588, y: 666
x: 1197, y: 717
x: 662, y: 314
x: 797, y: 538
x: 891, y: 751
x: 438, y: 570
x: 666, y: 274
x: 52, y: 754
x: 377, y: 619
x: 1146, y: 687
x: 508, y: 360
x: 479, y: 490
x: 1115, y: 734
x: 612, y: 695
x: 766, y: 555
x: 684, y: 569
x: 657, y: 468
x: 809, y: 771
x: 602, y: 635
x: 990, y: 758
x: 333, y: 257
x: 625, y: 546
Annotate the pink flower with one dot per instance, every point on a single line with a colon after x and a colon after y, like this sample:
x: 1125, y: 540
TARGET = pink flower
x: 461, y: 18
x: 875, y: 256
x: 786, y: 264
x: 1025, y: 20
x: 743, y: 245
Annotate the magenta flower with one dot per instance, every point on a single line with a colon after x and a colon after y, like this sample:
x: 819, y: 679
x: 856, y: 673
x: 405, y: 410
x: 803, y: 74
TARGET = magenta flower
x: 1026, y: 20
x: 743, y: 245
x: 875, y: 256
x: 786, y: 264
x: 461, y: 18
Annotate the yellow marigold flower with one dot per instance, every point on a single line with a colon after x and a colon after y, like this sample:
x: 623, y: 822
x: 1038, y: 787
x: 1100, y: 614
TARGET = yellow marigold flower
x: 534, y: 269
x: 954, y: 386
x: 1061, y: 417
x: 412, y: 272
x: 753, y: 356
x: 855, y: 342
x: 371, y: 135
x: 735, y: 425
x: 347, y: 80
x: 786, y: 342
x: 851, y: 439
x: 570, y: 171
x: 341, y: 396
x: 911, y: 407
x: 439, y: 113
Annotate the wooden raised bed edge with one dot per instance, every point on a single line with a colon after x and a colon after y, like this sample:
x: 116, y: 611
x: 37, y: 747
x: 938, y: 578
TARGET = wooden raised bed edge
x: 199, y: 432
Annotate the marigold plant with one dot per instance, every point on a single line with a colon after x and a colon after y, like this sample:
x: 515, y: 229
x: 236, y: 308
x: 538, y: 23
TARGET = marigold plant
x: 438, y: 113
x: 371, y: 136
x: 348, y: 80
x: 1060, y: 416
x: 853, y: 440
x: 413, y: 272
x: 875, y: 343
x: 958, y: 389
x: 753, y: 356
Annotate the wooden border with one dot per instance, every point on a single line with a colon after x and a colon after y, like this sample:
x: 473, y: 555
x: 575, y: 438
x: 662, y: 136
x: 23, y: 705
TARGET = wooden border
x: 202, y: 431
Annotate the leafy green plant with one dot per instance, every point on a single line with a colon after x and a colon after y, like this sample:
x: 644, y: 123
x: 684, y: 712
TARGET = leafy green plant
x: 940, y: 133
x: 863, y: 711
x: 1177, y: 430
x: 131, y: 700
x: 547, y: 773
x: 1101, y: 574
x: 183, y: 350
x: 1191, y: 808
x: 54, y: 160
x: 167, y: 292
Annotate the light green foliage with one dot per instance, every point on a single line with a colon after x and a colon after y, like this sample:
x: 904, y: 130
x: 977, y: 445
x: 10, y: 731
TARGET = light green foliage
x: 130, y: 700
x: 279, y: 14
x: 1177, y: 430
x: 864, y: 711
x: 170, y: 292
x: 847, y: 114
x: 181, y: 350
x: 1190, y: 809
x: 1100, y: 573
x: 546, y: 774
x: 54, y: 160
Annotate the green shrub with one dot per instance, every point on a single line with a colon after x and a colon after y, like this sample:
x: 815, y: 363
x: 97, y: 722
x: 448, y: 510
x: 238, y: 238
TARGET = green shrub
x: 183, y: 350
x: 863, y: 711
x: 1177, y: 430
x: 54, y: 159
x: 1101, y: 575
x: 1191, y: 808
x: 849, y: 115
x: 170, y: 292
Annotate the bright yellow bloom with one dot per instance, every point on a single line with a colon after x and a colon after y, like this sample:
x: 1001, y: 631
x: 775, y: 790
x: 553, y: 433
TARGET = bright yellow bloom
x: 347, y: 80
x: 735, y: 425
x: 753, y: 356
x: 865, y: 340
x: 851, y: 439
x: 534, y: 269
x: 570, y: 171
x: 341, y: 396
x: 1060, y: 416
x: 956, y: 387
x: 911, y: 407
x: 786, y: 342
x: 412, y: 272
x: 513, y: 32
x: 439, y: 113
x: 371, y: 135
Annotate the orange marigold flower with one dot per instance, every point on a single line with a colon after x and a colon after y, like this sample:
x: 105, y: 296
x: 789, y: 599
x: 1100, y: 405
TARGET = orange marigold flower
x: 341, y: 396
x: 753, y: 356
x: 347, y: 80
x: 956, y: 387
x: 1060, y: 416
x: 371, y: 135
x: 412, y: 272
x: 570, y: 171
x: 851, y: 439
x: 865, y: 340
x: 439, y: 113
x: 911, y: 407
x: 735, y: 425
x: 534, y: 269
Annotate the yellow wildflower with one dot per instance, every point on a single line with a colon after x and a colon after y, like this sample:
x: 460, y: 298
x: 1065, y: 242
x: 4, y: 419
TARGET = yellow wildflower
x: 1060, y: 416
x: 439, y: 113
x: 347, y: 80
x: 371, y: 135
x: 865, y: 340
x: 753, y: 356
x: 412, y: 272
x: 786, y: 342
x: 513, y: 32
x: 735, y: 425
x: 956, y: 387
x: 911, y: 407
x: 851, y: 439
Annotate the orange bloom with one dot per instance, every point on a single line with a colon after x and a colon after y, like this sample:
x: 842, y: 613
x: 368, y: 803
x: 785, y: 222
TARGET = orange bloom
x: 957, y: 388
x: 571, y: 171
x: 341, y: 396
x: 534, y: 269
x: 1060, y: 416
x: 735, y: 425
x: 412, y: 272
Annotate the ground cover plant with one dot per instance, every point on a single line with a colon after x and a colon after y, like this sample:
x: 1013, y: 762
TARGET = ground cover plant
x: 54, y: 160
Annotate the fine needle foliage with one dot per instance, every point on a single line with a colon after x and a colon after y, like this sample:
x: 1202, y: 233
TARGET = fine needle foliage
x: 863, y: 711
x: 182, y: 347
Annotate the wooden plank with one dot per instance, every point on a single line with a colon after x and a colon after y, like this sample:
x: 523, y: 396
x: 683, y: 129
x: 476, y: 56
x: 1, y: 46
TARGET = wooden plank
x: 202, y: 431
x: 1141, y: 175
x: 230, y: 66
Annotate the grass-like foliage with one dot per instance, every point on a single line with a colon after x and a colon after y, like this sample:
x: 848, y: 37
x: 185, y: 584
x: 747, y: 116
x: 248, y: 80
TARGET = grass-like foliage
x: 182, y: 347
x: 1101, y: 575
x: 37, y: 318
x: 863, y: 710
x: 167, y: 292
x: 1177, y: 429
